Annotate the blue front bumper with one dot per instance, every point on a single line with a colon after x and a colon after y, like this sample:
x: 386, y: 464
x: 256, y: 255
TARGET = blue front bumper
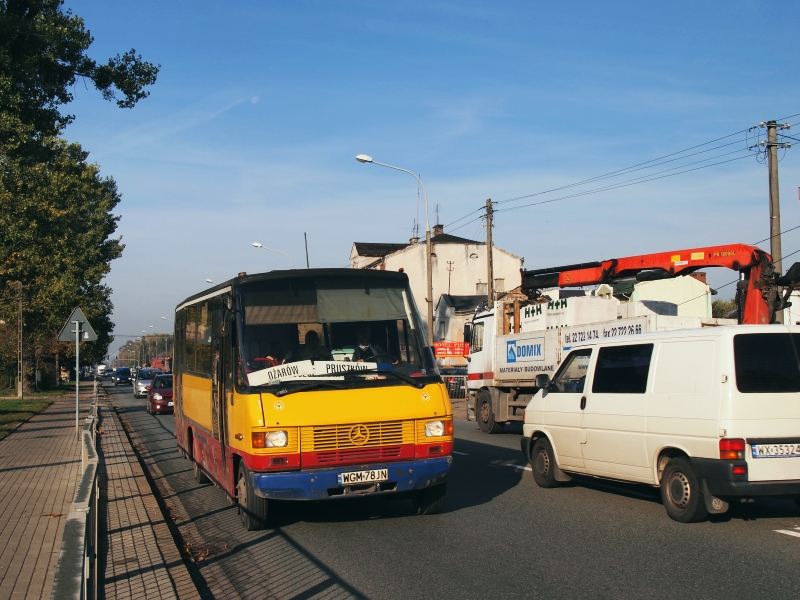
x: 323, y: 484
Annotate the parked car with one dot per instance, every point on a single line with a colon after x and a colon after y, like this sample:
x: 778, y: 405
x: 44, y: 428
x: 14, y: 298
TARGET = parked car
x: 144, y: 378
x: 708, y: 415
x: 122, y: 375
x: 159, y: 396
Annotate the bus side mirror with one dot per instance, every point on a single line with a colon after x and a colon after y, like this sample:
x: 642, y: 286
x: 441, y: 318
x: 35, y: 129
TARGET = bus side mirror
x: 467, y: 333
x: 543, y: 381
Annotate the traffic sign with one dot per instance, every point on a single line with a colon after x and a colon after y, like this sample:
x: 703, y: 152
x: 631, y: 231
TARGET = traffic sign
x: 68, y: 331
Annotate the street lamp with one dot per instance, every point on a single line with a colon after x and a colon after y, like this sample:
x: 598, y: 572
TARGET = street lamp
x: 363, y: 158
x: 258, y: 245
x: 209, y: 281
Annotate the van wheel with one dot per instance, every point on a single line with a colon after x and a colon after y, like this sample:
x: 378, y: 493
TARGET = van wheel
x: 681, y: 492
x: 429, y: 501
x: 485, y: 415
x: 252, y: 508
x: 543, y: 464
x: 199, y: 476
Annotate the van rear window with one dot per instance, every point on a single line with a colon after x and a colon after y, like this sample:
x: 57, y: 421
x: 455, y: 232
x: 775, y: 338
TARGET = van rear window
x: 767, y: 362
x: 622, y: 369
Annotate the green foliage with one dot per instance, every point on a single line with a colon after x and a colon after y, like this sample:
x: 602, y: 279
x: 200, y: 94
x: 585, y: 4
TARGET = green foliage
x: 42, y: 54
x: 721, y: 308
x: 55, y: 237
x: 55, y: 208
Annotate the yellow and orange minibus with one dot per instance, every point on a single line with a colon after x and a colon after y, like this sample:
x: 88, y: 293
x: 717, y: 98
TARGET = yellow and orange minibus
x: 313, y: 384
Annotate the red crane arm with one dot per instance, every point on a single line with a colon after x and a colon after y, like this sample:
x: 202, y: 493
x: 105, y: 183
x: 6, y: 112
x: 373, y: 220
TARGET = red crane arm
x: 756, y: 293
x: 677, y: 262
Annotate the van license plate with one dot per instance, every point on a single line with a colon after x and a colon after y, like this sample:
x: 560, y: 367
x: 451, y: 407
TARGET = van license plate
x: 363, y: 476
x: 776, y: 450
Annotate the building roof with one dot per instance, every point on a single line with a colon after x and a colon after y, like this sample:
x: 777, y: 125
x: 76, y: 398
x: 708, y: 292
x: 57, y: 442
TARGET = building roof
x: 446, y: 238
x: 463, y: 303
x: 377, y: 249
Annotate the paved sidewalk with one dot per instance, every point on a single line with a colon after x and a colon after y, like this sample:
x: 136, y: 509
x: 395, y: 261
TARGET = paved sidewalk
x: 138, y: 555
x: 39, y: 467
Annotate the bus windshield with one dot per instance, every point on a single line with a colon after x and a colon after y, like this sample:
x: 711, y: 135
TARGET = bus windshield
x: 329, y: 327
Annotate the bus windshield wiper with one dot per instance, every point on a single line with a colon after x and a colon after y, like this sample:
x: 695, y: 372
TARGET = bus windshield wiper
x: 407, y: 379
x: 308, y: 386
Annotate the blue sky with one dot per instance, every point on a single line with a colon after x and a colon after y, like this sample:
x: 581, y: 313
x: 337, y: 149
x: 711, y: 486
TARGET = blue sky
x: 251, y: 131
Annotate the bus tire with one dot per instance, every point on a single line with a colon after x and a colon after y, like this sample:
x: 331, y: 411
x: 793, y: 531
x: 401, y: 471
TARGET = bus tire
x: 252, y: 508
x: 543, y: 464
x: 430, y: 501
x: 485, y: 415
x: 199, y: 476
x: 681, y: 492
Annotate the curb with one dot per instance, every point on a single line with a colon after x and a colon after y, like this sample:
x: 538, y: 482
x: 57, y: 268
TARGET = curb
x: 184, y: 533
x: 160, y: 523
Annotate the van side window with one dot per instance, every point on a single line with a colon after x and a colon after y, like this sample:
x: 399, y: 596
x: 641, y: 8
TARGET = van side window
x: 572, y: 374
x: 622, y: 369
x: 476, y: 345
x: 767, y: 362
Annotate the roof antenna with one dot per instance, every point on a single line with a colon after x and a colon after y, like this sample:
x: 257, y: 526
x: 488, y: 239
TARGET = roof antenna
x: 437, y: 214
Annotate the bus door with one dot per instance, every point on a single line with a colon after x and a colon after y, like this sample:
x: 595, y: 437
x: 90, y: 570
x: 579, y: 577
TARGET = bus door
x: 219, y: 358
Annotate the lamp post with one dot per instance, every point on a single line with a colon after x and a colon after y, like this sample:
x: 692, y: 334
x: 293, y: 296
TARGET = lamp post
x: 363, y: 158
x: 259, y: 245
x: 166, y: 347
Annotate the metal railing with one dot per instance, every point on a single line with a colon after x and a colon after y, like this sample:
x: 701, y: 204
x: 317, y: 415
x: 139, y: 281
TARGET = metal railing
x: 456, y: 386
x: 76, y: 572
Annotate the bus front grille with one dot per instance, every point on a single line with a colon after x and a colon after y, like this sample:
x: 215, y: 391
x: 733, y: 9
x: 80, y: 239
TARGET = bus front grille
x: 358, y: 455
x: 356, y: 435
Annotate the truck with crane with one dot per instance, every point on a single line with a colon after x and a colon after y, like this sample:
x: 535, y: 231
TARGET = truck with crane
x: 513, y: 342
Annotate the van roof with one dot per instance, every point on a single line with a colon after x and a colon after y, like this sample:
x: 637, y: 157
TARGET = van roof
x: 727, y: 331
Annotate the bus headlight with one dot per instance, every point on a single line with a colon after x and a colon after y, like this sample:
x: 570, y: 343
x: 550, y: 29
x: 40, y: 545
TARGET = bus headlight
x: 434, y: 429
x: 277, y: 439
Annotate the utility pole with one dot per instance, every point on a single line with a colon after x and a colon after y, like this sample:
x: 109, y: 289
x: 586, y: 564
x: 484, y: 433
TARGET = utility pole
x: 20, y: 370
x: 772, y: 146
x: 489, y: 258
x: 449, y: 272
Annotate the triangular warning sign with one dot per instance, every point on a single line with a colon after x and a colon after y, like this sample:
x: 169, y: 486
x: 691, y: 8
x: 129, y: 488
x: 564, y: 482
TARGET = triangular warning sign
x: 68, y: 331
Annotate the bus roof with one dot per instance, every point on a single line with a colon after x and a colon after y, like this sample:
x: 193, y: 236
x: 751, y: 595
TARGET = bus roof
x: 296, y: 274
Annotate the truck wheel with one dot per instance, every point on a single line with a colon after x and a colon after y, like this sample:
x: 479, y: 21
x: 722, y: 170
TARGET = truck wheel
x: 485, y: 415
x: 429, y: 501
x: 543, y: 464
x: 681, y: 492
x: 252, y: 508
x: 199, y: 476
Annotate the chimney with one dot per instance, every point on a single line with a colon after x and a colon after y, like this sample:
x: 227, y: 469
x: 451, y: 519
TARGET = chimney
x: 700, y: 276
x: 438, y: 229
x: 414, y: 240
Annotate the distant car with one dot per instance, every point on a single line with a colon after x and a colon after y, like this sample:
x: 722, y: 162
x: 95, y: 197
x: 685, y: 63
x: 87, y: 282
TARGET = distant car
x: 122, y: 375
x: 144, y: 378
x: 159, y: 396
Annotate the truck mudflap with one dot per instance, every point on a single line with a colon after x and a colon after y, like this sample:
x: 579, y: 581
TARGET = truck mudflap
x: 323, y: 484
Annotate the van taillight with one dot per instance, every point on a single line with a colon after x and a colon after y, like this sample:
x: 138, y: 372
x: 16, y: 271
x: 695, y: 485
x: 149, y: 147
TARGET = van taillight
x: 731, y: 449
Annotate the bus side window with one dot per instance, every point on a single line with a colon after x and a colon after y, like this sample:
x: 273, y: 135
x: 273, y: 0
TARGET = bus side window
x: 477, y: 338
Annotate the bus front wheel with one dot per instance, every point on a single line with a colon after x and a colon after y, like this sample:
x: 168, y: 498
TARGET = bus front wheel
x: 429, y: 501
x: 252, y: 508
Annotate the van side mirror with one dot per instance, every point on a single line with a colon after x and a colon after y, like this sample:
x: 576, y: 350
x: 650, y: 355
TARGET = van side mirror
x: 543, y: 381
x: 467, y: 333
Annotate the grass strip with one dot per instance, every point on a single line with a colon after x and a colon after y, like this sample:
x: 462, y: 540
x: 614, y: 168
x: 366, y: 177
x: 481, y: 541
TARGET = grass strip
x: 14, y: 412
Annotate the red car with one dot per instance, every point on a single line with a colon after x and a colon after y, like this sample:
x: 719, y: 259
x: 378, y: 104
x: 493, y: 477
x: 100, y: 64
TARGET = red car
x: 159, y: 395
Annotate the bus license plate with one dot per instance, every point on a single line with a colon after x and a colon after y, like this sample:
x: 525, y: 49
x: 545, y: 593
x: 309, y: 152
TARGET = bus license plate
x: 363, y: 476
x: 776, y: 450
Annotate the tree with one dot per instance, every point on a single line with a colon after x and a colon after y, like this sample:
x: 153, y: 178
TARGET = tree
x: 42, y: 54
x: 55, y: 237
x: 722, y: 308
x: 55, y: 209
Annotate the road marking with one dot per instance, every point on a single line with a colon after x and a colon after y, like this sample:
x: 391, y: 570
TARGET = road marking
x: 787, y: 532
x: 460, y: 453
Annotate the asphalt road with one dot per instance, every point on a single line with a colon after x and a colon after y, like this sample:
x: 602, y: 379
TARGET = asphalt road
x: 499, y: 536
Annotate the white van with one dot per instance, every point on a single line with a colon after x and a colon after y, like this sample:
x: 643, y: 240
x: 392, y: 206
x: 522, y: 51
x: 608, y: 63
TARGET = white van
x: 709, y: 415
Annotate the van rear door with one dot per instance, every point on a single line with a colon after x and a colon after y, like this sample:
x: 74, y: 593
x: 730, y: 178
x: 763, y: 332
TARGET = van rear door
x: 765, y: 405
